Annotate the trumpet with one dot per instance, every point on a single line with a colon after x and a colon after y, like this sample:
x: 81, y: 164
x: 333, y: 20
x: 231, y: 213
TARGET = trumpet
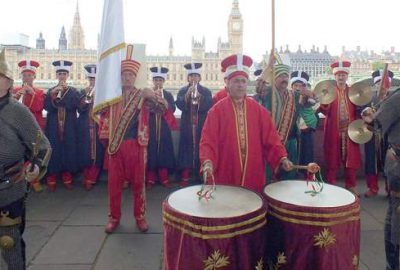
x: 21, y: 98
x: 63, y: 87
x: 89, y: 96
x: 195, y: 94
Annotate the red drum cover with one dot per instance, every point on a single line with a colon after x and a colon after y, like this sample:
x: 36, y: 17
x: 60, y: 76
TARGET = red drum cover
x: 305, y: 232
x: 227, y: 232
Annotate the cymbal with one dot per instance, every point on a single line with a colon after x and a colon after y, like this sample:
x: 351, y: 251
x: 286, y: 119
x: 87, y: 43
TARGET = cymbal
x: 358, y: 132
x: 360, y: 93
x: 325, y: 91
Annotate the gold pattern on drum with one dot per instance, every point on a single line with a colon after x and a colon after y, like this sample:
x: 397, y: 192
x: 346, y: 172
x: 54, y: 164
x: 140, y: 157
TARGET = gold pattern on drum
x: 280, y: 261
x: 324, y: 239
x: 216, y: 261
x: 260, y: 265
x: 355, y: 262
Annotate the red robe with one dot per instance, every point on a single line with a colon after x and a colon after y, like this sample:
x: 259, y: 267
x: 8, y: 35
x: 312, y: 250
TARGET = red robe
x: 220, y: 144
x: 220, y: 95
x: 34, y: 102
x: 332, y: 138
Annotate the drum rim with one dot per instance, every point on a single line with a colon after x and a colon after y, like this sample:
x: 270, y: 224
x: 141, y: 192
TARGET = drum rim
x: 265, y: 196
x: 263, y: 202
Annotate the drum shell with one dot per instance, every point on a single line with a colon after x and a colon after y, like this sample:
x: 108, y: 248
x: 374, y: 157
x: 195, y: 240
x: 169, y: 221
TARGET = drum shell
x: 302, y: 237
x: 190, y: 241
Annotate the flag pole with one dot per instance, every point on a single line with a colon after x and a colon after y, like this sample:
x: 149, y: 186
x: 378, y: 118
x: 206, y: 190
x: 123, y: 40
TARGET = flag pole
x: 273, y: 102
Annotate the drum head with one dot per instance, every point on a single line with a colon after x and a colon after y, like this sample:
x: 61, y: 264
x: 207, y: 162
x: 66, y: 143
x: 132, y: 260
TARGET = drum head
x: 292, y: 192
x: 229, y: 201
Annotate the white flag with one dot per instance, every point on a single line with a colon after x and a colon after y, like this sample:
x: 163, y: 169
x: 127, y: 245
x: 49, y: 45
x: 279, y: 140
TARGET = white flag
x: 111, y: 52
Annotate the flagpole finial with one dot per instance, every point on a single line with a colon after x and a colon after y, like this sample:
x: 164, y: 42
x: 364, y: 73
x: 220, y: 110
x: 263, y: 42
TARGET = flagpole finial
x: 129, y: 52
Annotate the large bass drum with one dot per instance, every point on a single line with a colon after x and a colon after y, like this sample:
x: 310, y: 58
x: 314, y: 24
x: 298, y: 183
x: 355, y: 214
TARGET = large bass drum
x: 305, y: 232
x: 227, y: 232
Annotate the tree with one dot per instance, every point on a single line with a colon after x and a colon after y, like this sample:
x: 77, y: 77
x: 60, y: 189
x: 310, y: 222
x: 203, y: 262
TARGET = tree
x: 378, y: 65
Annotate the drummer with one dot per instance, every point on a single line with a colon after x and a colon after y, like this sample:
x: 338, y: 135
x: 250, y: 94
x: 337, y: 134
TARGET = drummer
x: 239, y: 134
x: 338, y: 148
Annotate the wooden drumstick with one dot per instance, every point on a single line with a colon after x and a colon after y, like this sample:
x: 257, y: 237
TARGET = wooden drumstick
x: 311, y: 167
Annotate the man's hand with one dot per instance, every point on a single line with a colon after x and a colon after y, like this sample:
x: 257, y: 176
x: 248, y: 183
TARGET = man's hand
x: 367, y: 115
x: 207, y: 170
x: 286, y: 164
x: 30, y: 176
x: 147, y: 93
x: 27, y: 89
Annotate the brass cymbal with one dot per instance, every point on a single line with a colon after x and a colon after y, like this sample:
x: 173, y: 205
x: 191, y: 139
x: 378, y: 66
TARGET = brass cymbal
x: 358, y: 132
x: 360, y: 93
x: 325, y: 91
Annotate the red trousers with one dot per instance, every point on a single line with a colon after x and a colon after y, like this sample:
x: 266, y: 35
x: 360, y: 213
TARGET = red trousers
x: 126, y: 165
x: 151, y: 176
x: 372, y: 182
x: 349, y: 177
x: 185, y: 174
x: 91, y: 173
x: 65, y: 176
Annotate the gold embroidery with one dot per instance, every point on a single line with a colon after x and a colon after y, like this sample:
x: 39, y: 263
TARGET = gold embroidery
x: 214, y: 236
x: 317, y: 215
x: 260, y: 265
x: 286, y: 120
x: 281, y: 260
x: 187, y: 223
x: 216, y: 261
x: 355, y: 262
x: 324, y: 239
x: 315, y: 223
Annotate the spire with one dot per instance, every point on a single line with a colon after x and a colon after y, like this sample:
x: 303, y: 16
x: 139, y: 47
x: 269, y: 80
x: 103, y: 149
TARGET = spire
x: 76, y: 34
x: 40, y: 42
x: 62, y: 41
x: 77, y: 18
x: 171, y: 47
x: 235, y: 9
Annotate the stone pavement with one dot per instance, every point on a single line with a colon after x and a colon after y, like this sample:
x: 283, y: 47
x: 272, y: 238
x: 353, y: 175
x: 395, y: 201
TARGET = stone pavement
x: 65, y: 231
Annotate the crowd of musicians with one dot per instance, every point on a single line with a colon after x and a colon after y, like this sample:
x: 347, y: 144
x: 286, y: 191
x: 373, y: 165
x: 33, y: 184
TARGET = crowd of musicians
x: 231, y: 137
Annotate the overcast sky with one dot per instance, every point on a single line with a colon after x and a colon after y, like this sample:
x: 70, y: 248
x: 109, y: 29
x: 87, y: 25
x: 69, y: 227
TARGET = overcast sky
x: 371, y: 24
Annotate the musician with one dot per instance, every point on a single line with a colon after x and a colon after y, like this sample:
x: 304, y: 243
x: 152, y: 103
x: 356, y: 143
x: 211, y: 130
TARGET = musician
x: 239, y: 135
x: 307, y: 120
x: 91, y: 154
x: 287, y: 112
x: 161, y: 157
x: 375, y: 149
x: 32, y: 97
x: 338, y: 148
x: 124, y: 126
x: 387, y: 120
x: 21, y: 140
x: 194, y: 100
x: 61, y: 104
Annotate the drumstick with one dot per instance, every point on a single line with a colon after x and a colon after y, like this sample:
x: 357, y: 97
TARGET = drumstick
x: 300, y: 167
x: 311, y: 167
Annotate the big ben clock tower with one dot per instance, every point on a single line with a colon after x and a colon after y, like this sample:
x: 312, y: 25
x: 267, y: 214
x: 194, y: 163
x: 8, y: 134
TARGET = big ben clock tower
x: 235, y: 29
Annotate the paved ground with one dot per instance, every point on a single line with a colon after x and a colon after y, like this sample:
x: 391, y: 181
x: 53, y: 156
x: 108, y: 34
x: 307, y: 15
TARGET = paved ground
x: 65, y: 231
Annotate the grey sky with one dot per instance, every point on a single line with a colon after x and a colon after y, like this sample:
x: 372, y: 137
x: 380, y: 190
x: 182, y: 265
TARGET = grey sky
x: 370, y: 24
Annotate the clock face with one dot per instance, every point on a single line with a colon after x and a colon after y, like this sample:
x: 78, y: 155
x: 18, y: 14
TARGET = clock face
x: 236, y: 26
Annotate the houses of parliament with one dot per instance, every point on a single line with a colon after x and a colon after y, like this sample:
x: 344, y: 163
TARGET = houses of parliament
x: 315, y: 61
x: 73, y: 49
